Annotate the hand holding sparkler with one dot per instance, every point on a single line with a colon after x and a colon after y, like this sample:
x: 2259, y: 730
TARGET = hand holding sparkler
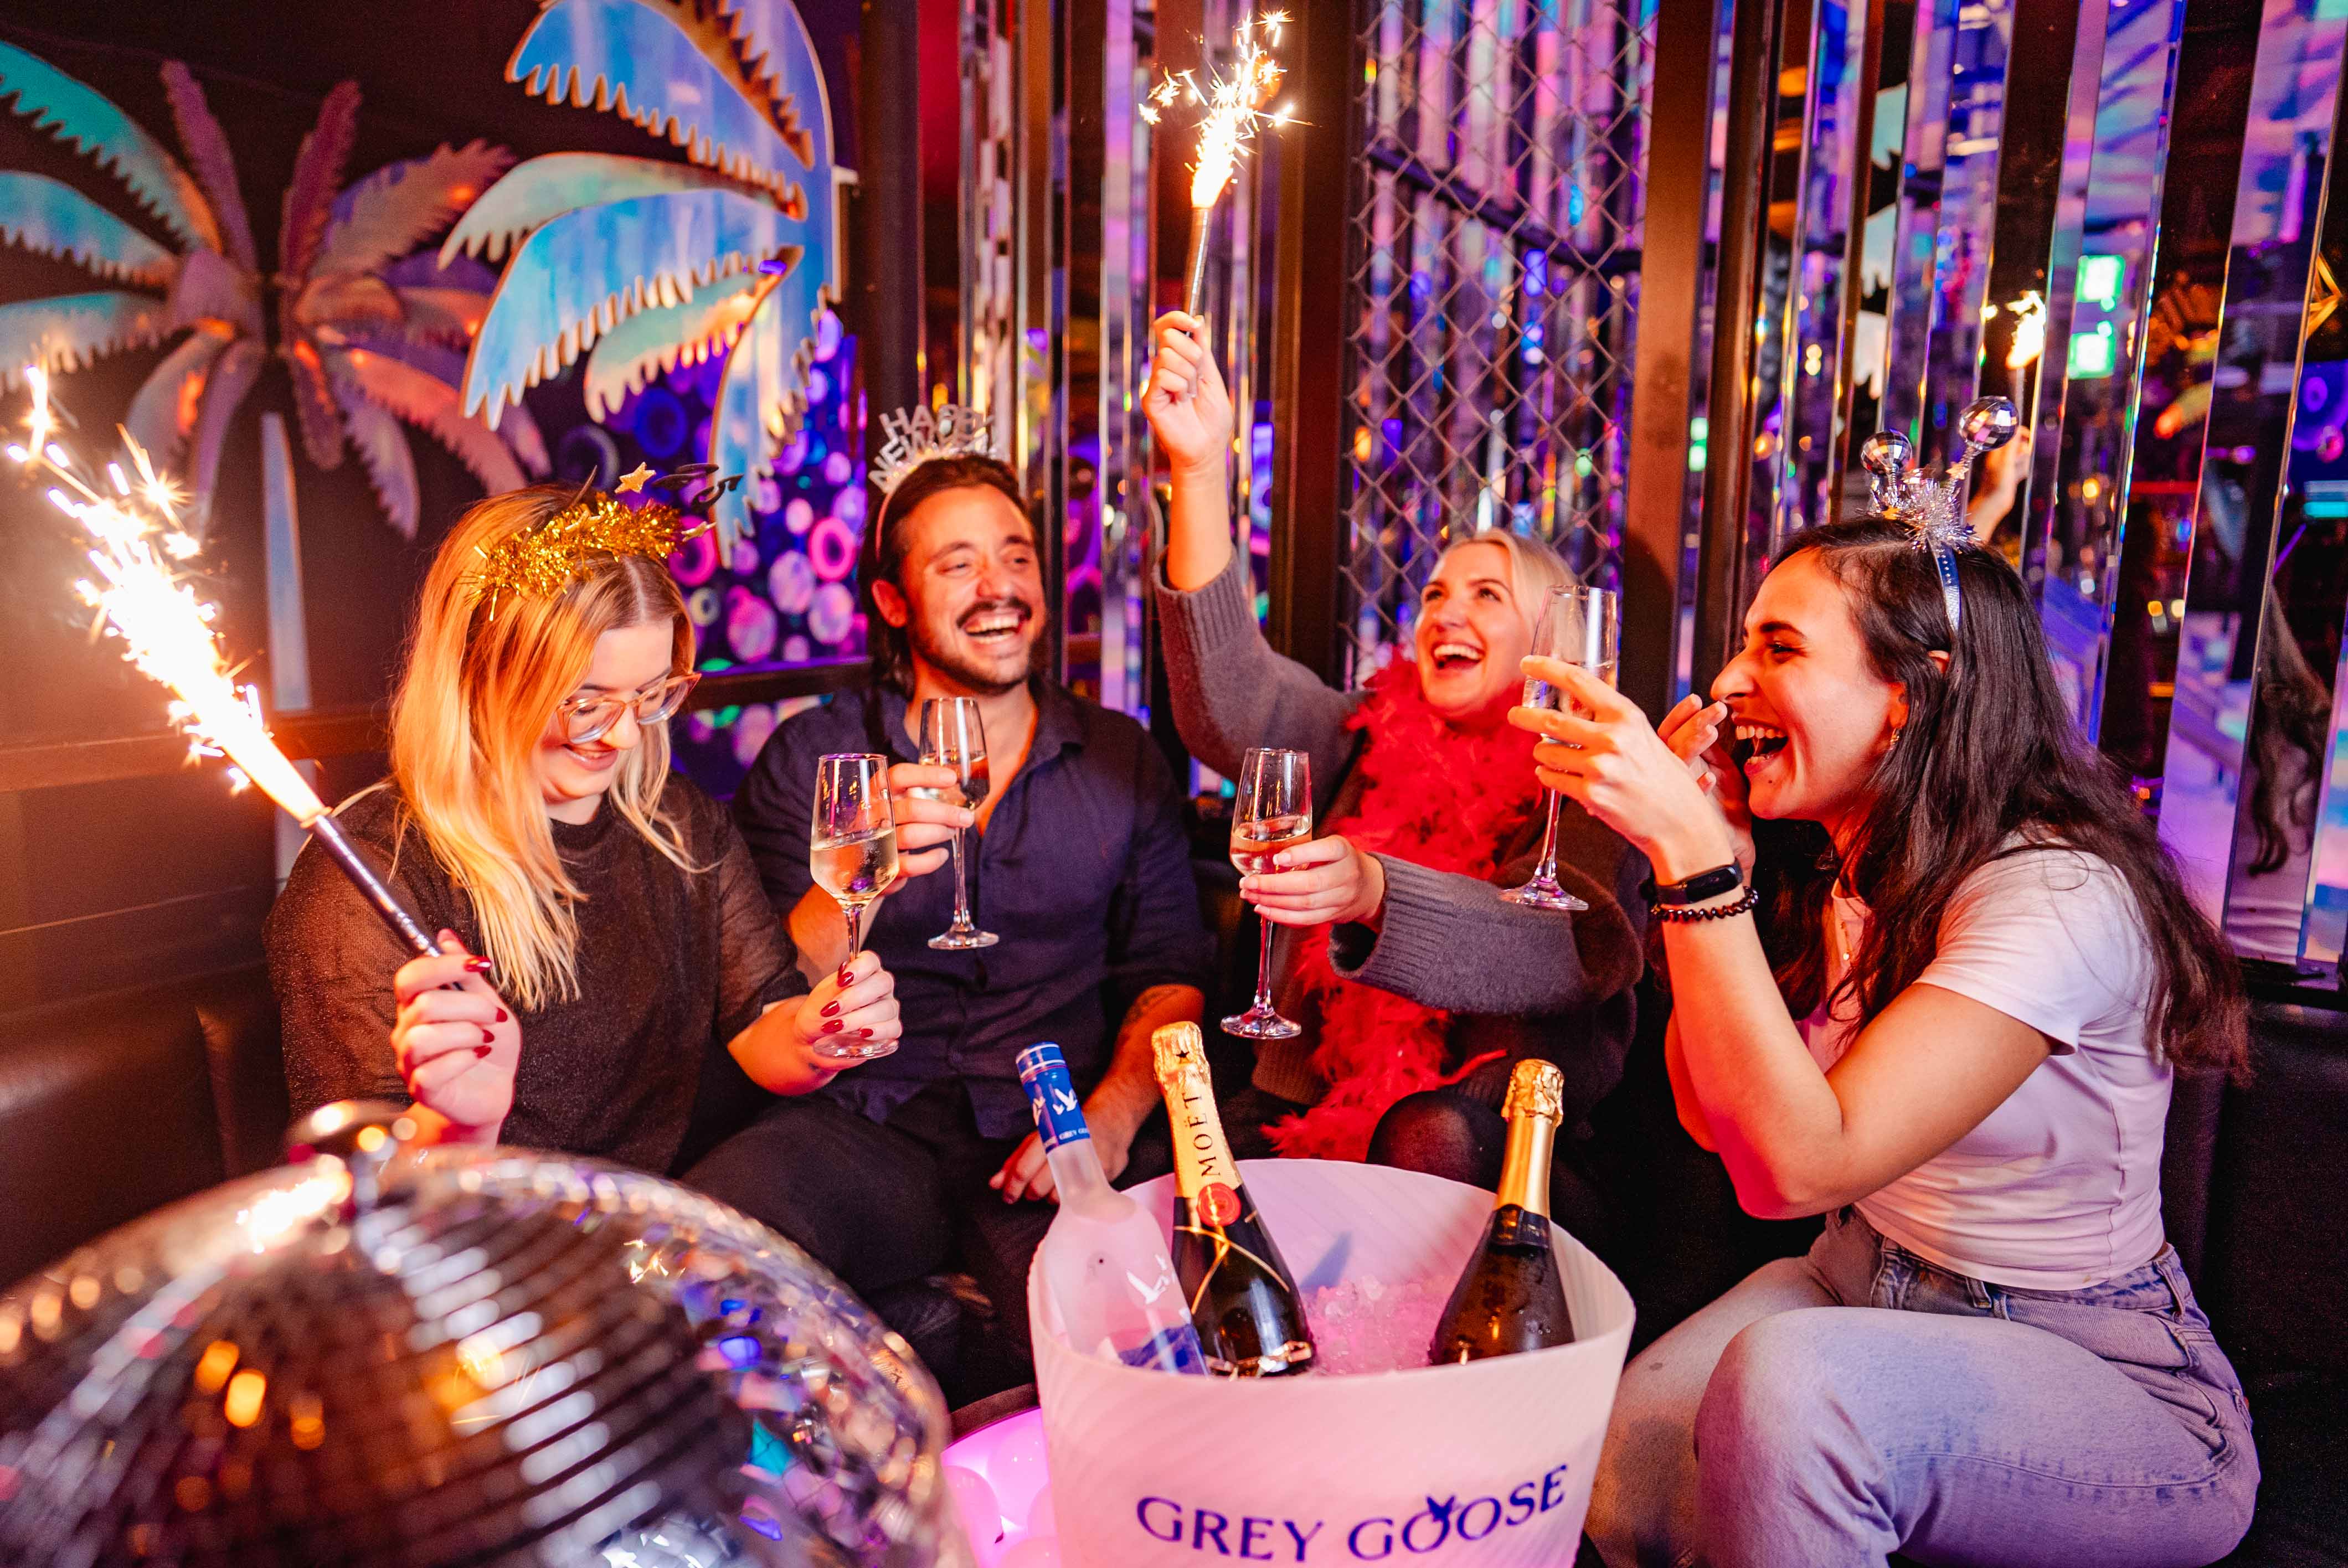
x: 456, y: 1042
x: 142, y: 597
x: 1188, y: 409
x: 1234, y: 107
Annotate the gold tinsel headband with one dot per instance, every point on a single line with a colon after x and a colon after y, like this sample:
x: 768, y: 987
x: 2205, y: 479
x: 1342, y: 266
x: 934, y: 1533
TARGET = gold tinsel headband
x: 541, y: 560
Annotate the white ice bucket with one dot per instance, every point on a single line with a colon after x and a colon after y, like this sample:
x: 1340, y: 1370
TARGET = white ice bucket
x: 1482, y: 1466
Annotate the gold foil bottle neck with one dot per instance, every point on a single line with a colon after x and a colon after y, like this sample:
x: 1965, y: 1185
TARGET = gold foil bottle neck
x: 1180, y: 1050
x: 1535, y: 1088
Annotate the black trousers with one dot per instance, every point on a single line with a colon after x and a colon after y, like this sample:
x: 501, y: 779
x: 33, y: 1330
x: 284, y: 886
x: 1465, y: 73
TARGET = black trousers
x: 885, y: 1204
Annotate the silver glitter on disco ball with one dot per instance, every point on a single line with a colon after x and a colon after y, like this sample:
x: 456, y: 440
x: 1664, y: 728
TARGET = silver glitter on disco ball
x: 1988, y: 423
x: 1885, y: 453
x: 388, y: 1357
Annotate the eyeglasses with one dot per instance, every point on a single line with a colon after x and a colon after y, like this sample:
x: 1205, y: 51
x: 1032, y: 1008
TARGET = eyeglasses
x: 588, y: 717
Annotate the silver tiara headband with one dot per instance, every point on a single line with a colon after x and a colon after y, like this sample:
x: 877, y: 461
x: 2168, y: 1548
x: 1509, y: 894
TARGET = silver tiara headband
x: 1933, y: 509
x: 919, y: 435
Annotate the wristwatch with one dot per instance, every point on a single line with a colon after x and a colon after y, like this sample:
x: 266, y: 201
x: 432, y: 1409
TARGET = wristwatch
x: 1703, y: 884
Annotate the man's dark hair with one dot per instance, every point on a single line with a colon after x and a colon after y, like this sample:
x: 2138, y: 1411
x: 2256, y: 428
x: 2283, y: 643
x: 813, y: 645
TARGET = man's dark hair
x: 884, y: 556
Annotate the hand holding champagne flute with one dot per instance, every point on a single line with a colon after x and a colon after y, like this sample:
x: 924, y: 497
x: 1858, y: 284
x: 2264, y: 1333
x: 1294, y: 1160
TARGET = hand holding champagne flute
x: 953, y: 736
x: 1273, y: 811
x: 852, y: 850
x: 1582, y: 626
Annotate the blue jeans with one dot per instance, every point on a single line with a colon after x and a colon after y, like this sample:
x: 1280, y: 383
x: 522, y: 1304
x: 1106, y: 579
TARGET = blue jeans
x: 1835, y: 1409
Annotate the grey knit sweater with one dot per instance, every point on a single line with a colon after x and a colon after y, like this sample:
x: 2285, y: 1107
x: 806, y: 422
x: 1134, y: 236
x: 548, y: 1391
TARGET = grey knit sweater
x: 1527, y: 982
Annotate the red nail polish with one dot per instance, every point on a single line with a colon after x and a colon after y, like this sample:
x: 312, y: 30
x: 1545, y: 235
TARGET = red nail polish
x: 831, y: 1010
x: 478, y: 966
x: 481, y: 1050
x: 845, y: 978
x: 502, y: 1015
x: 864, y: 1034
x: 486, y: 1039
x: 834, y: 1027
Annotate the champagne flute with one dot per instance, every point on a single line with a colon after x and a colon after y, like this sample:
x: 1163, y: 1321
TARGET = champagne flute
x: 1581, y: 626
x: 1273, y: 811
x: 852, y: 851
x: 953, y: 737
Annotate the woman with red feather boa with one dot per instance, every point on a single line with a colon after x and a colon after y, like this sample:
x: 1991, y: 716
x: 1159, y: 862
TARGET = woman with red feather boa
x: 1418, y: 988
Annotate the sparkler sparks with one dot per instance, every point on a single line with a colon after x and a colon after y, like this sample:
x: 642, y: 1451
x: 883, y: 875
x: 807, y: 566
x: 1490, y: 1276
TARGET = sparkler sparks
x: 134, y: 536
x: 1234, y: 108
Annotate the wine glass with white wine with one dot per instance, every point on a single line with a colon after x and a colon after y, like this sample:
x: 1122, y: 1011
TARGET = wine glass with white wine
x: 1273, y: 811
x: 852, y: 852
x: 1581, y: 626
x: 953, y: 737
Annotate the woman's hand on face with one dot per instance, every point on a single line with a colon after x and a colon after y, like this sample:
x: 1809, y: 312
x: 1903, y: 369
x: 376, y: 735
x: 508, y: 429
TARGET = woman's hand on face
x: 457, y: 1048
x: 1325, y: 882
x: 1696, y: 734
x: 850, y: 1016
x: 1185, y: 400
x: 1614, y: 764
x: 924, y: 827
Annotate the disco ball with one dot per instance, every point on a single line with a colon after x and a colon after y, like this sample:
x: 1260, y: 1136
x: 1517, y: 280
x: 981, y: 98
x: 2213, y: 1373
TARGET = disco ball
x: 1885, y: 453
x: 459, y: 1356
x: 1988, y: 423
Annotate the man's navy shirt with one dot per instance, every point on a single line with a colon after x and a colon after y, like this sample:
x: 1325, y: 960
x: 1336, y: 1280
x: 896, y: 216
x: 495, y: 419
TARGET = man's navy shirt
x: 1083, y: 871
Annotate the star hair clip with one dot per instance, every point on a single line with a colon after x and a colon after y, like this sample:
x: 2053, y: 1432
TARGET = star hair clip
x: 541, y: 560
x: 1932, y: 508
x: 918, y: 435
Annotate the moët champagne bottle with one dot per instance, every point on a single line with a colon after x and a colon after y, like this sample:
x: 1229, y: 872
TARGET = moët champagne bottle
x: 1511, y: 1297
x: 1242, y: 1297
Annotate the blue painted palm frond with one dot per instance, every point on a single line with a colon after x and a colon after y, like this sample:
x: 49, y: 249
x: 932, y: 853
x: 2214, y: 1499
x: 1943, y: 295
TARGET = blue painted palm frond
x: 762, y: 397
x: 771, y: 36
x: 65, y: 332
x: 634, y: 59
x: 163, y: 414
x: 79, y: 113
x: 658, y: 339
x: 398, y: 207
x: 582, y: 274
x: 54, y: 218
x: 544, y: 189
x: 382, y: 444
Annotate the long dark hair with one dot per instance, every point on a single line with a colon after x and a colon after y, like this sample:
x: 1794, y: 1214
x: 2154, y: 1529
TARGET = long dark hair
x: 1989, y: 751
x: 882, y: 558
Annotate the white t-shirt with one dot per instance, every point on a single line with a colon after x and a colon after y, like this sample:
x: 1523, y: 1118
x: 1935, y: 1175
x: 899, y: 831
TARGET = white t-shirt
x: 2059, y: 1187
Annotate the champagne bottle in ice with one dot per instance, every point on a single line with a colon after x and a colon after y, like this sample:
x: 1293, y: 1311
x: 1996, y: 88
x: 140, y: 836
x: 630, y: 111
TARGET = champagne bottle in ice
x: 1511, y: 1297
x: 1107, y: 1277
x: 1242, y: 1297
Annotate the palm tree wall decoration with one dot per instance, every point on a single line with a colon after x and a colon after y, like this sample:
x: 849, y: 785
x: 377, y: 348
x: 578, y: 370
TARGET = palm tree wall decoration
x: 642, y: 263
x: 370, y: 336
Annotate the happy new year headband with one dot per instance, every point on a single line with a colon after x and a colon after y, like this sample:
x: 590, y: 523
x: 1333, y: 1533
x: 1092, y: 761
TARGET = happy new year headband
x: 542, y: 559
x: 919, y: 435
x: 1934, y: 510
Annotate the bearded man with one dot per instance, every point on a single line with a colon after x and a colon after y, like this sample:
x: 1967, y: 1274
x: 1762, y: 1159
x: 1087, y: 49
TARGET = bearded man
x: 926, y: 1159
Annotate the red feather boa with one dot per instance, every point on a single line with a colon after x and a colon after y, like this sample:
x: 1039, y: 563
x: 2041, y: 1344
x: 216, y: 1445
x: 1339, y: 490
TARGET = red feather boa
x: 1441, y: 797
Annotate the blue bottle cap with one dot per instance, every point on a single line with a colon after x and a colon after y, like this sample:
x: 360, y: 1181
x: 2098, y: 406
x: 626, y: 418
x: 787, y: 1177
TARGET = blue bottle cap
x: 1052, y: 1095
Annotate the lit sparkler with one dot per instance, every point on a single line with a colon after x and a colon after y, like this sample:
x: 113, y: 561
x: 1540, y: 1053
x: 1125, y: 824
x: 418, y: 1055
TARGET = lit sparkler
x: 1233, y: 109
x: 142, y: 597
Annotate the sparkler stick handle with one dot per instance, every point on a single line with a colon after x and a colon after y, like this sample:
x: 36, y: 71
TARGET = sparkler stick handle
x: 332, y: 839
x: 1194, y: 289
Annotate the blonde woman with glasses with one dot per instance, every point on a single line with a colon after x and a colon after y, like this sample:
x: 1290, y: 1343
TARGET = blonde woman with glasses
x: 610, y: 957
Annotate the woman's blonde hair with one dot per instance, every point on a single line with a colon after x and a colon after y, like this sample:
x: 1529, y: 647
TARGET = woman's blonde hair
x: 1534, y: 570
x: 473, y: 705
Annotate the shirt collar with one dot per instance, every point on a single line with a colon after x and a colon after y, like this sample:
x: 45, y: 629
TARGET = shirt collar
x: 1059, y: 722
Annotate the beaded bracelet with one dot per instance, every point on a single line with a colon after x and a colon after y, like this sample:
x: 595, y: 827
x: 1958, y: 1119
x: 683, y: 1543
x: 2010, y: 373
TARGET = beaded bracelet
x: 1673, y: 914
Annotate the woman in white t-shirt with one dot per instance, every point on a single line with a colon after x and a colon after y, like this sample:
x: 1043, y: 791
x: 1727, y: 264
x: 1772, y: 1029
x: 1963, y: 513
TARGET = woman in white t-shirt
x: 1952, y: 1029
